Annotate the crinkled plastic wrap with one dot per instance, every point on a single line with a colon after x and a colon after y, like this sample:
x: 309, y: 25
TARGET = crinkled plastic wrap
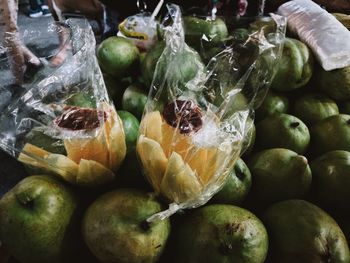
x: 64, y: 123
x: 195, y: 127
x: 321, y: 31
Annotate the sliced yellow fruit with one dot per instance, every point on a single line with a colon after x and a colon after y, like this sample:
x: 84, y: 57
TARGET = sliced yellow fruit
x: 153, y: 160
x: 114, y: 133
x: 151, y: 126
x: 91, y: 173
x: 33, y: 155
x: 89, y: 149
x: 62, y: 166
x: 180, y: 183
x: 174, y: 141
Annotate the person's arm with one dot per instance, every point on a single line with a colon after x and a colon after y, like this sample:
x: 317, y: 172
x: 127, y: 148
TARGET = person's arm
x: 11, y: 38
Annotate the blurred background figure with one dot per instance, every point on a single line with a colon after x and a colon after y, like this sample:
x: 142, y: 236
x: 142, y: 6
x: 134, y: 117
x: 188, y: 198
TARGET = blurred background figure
x: 20, y: 57
x: 38, y: 8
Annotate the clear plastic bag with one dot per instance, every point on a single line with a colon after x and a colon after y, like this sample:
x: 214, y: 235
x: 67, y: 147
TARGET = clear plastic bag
x: 64, y: 122
x: 321, y: 31
x: 197, y: 117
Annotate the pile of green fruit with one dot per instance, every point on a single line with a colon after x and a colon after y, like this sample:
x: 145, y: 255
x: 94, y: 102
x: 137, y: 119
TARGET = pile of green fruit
x: 285, y: 201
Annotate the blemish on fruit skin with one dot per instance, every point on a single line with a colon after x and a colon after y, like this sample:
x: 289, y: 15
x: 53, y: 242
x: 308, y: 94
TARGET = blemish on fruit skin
x: 294, y: 124
x: 184, y: 115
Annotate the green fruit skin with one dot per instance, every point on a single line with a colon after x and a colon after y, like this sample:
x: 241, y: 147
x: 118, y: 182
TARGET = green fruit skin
x: 187, y: 66
x: 314, y: 107
x: 36, y: 219
x: 237, y: 185
x: 221, y: 234
x: 335, y: 83
x: 273, y: 103
x: 295, y: 68
x: 112, y: 227
x: 300, y: 232
x: 118, y: 56
x: 282, y: 131
x: 251, y: 136
x: 279, y: 174
x: 82, y: 99
x: 134, y: 100
x: 198, y: 29
x: 330, y: 134
x: 131, y: 129
x: 331, y: 179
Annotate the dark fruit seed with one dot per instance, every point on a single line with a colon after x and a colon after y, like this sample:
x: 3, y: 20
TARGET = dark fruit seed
x: 184, y: 115
x: 294, y: 124
x: 76, y: 118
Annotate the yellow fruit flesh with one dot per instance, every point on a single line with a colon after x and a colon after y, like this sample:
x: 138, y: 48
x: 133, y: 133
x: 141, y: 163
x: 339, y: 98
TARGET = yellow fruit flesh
x: 116, y: 145
x: 153, y: 159
x: 180, y: 182
x: 204, y: 162
x: 33, y: 155
x: 91, y: 173
x: 62, y: 166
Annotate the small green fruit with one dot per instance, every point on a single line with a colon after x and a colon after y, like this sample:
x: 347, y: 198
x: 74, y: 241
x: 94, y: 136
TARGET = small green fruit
x: 131, y: 129
x: 221, y: 234
x: 332, y: 133
x: 134, y: 100
x: 314, y: 107
x: 279, y: 174
x: 331, y: 179
x: 301, y: 232
x: 38, y: 221
x: 273, y: 103
x: 118, y: 56
x: 282, y: 131
x: 115, y: 227
x: 237, y: 185
x: 295, y: 68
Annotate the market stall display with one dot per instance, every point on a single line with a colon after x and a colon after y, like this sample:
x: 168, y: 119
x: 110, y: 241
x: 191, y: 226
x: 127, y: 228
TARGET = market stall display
x: 218, y: 139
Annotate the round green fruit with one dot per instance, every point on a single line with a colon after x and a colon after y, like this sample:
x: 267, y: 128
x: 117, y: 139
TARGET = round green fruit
x: 237, y: 185
x: 335, y: 83
x: 301, y: 232
x: 134, y: 100
x: 115, y: 227
x: 295, y: 68
x: 37, y: 221
x: 282, y: 131
x: 331, y: 179
x: 187, y: 63
x: 118, y: 56
x: 221, y: 234
x: 82, y: 99
x: 279, y: 174
x: 131, y: 129
x: 204, y: 32
x: 314, y: 107
x: 330, y: 134
x: 273, y: 103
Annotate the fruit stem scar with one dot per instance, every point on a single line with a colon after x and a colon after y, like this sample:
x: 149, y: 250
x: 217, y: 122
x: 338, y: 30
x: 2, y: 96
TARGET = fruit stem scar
x: 294, y: 124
